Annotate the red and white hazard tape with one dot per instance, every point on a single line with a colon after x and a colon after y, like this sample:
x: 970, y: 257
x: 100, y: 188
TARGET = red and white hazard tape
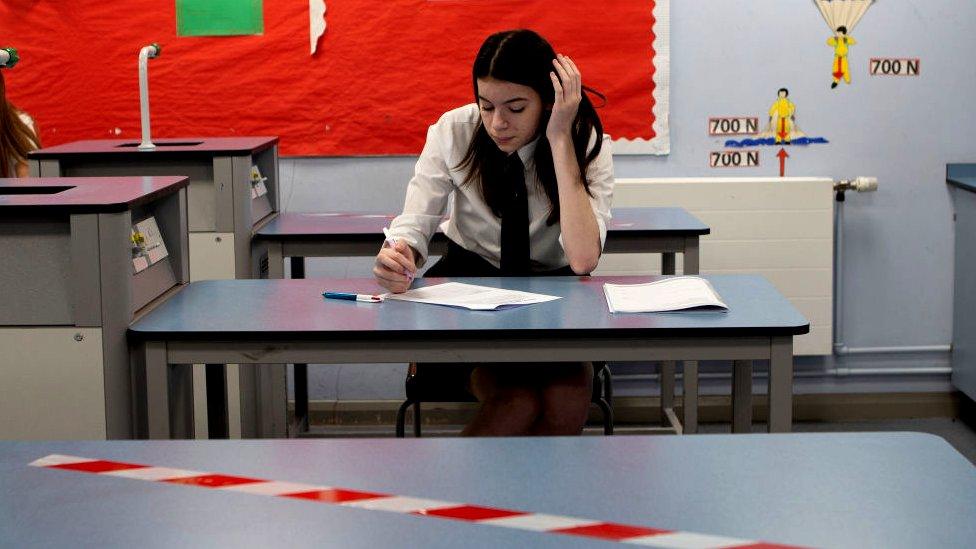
x: 505, y: 518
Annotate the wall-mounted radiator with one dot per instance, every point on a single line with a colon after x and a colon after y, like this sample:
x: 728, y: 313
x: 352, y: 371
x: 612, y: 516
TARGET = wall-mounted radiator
x: 781, y: 228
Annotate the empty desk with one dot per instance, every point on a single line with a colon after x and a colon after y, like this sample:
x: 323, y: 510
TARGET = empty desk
x: 344, y: 234
x: 839, y: 490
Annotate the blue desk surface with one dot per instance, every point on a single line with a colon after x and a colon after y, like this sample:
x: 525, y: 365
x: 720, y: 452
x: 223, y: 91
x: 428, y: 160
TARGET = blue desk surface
x: 826, y: 490
x: 632, y: 221
x: 966, y: 183
x: 295, y: 308
x: 84, y: 194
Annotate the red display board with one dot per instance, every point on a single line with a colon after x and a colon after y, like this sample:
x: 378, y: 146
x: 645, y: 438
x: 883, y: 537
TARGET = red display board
x: 383, y: 72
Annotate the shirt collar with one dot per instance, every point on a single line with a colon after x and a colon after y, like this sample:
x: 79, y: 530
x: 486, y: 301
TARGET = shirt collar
x: 527, y: 151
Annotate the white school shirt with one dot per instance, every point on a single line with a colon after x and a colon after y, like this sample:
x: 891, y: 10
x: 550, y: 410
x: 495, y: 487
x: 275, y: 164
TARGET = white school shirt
x: 26, y: 119
x: 472, y: 225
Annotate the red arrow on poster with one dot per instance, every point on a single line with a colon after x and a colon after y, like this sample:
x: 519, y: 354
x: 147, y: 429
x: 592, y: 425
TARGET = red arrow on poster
x: 782, y: 155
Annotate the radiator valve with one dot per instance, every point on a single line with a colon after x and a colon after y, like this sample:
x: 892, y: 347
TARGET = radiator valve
x: 859, y: 184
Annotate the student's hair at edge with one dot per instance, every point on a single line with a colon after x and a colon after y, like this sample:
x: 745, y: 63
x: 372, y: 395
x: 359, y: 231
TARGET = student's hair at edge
x: 842, y: 29
x: 524, y: 57
x: 16, y: 137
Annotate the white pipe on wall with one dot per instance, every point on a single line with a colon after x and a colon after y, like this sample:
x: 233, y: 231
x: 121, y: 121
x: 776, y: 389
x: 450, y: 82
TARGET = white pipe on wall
x: 145, y: 54
x: 830, y: 372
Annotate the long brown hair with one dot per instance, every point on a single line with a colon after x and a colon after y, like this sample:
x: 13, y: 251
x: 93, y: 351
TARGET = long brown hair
x: 524, y: 57
x: 16, y: 137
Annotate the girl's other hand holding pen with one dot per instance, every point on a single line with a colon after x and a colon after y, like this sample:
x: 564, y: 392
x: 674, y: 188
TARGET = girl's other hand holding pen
x: 395, y: 267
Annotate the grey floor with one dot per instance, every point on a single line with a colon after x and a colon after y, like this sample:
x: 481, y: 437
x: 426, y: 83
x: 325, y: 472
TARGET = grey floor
x: 961, y: 434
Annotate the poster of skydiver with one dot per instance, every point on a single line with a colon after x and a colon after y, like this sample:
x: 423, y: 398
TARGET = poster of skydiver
x: 841, y: 16
x: 781, y: 128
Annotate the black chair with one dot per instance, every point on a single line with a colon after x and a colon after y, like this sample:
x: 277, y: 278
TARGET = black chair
x: 431, y: 384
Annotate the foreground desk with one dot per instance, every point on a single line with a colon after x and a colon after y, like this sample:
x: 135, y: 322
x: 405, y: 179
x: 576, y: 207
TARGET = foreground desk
x: 858, y: 490
x: 282, y: 321
x: 666, y: 231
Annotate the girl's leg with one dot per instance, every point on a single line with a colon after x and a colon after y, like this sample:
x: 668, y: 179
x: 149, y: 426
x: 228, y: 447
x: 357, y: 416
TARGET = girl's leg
x: 566, y: 392
x: 509, y: 407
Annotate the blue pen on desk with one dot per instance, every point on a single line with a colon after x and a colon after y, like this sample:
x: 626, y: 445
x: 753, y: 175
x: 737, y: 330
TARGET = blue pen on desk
x: 391, y: 241
x: 368, y: 298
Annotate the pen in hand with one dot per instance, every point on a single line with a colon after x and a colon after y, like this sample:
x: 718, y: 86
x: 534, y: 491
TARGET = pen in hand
x: 391, y: 241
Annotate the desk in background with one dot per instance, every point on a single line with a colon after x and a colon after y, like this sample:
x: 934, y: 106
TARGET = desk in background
x: 224, y: 205
x: 288, y: 321
x: 962, y: 186
x: 344, y: 234
x: 632, y: 230
x: 839, y: 490
x: 73, y: 276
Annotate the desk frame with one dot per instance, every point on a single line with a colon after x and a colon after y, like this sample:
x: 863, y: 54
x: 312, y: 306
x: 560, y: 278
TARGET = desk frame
x: 169, y: 381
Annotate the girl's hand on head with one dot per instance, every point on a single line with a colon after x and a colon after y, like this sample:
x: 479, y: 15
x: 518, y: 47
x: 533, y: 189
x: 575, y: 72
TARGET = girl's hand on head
x: 568, y: 85
x: 395, y: 268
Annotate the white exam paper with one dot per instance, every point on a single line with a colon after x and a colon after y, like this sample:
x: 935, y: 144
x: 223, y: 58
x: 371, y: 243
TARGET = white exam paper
x: 470, y: 296
x: 671, y: 294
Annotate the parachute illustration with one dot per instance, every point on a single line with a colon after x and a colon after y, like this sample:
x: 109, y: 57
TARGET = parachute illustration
x: 842, y: 16
x: 843, y: 13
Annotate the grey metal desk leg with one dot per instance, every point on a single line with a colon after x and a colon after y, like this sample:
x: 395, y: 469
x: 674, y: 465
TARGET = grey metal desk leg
x: 667, y: 263
x: 157, y: 389
x: 301, y: 370
x: 271, y: 379
x: 781, y: 385
x: 181, y: 400
x: 276, y: 261
x: 668, y: 416
x: 667, y: 367
x: 690, y: 266
x: 742, y: 396
x: 690, y: 405
x: 272, y: 405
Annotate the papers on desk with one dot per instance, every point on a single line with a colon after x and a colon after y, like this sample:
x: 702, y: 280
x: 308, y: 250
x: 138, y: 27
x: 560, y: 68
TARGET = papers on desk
x: 470, y: 296
x: 671, y: 294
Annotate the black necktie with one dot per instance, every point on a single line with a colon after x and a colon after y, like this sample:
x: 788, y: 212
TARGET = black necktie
x: 515, y: 219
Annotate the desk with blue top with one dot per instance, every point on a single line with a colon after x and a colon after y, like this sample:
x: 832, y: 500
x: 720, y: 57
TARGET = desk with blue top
x: 835, y: 490
x: 961, y: 179
x: 287, y: 321
x: 343, y: 234
x: 295, y: 235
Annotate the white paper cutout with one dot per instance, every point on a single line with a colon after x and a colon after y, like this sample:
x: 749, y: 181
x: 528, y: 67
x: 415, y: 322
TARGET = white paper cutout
x: 316, y: 23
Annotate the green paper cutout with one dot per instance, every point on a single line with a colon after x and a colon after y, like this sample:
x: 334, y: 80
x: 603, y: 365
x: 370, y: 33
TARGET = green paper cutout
x: 219, y: 17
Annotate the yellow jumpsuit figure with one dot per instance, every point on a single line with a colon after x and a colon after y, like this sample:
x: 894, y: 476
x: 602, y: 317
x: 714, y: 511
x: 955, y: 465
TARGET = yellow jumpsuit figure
x: 840, y: 42
x: 781, y: 117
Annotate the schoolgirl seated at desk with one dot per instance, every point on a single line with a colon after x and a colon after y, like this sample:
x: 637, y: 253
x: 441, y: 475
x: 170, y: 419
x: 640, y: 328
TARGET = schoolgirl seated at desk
x: 532, y: 179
